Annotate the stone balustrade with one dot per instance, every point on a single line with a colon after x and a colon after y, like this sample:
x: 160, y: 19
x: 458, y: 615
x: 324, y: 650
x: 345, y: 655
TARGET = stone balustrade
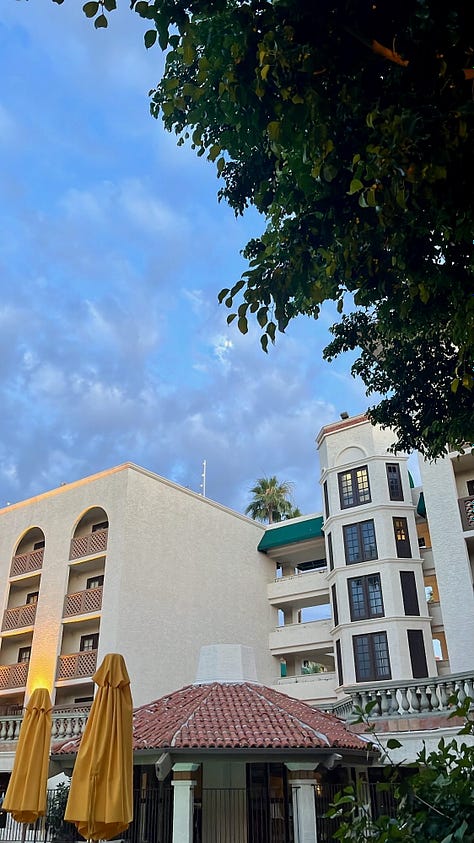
x: 411, y: 697
x: 66, y: 725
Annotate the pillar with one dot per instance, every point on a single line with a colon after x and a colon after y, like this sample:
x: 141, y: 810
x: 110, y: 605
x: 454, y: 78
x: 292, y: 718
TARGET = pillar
x: 183, y: 802
x: 302, y: 780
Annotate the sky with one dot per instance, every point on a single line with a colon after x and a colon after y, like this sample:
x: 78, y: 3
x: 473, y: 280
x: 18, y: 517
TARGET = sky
x: 113, y: 248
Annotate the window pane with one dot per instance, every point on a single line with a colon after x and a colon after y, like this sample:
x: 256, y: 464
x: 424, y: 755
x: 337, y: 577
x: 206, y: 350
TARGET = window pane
x: 381, y: 660
x: 369, y: 547
x: 347, y: 489
x: 362, y: 658
x: 357, y: 599
x: 351, y: 535
x: 394, y: 482
x: 362, y: 483
x: 374, y: 590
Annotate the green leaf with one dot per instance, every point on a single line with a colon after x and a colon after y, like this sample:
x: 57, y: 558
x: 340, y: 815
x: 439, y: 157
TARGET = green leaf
x: 110, y: 5
x: 242, y: 325
x: 101, y: 22
x: 271, y: 329
x: 264, y: 343
x: 90, y: 9
x: 392, y: 743
x: 355, y: 186
x: 231, y: 318
x: 273, y: 130
x: 150, y: 38
x: 222, y: 295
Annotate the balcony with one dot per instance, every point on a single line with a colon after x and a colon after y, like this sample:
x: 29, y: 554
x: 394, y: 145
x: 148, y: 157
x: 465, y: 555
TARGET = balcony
x: 293, y: 638
x: 13, y: 675
x: 18, y: 617
x: 300, y: 589
x: 77, y: 665
x: 66, y: 725
x: 83, y: 602
x: 466, y: 508
x: 310, y: 687
x: 88, y: 545
x: 25, y: 563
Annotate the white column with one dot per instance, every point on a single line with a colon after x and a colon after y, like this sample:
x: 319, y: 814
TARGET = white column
x: 302, y: 783
x: 183, y: 802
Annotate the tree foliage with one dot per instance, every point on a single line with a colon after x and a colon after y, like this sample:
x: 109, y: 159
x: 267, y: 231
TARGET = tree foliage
x: 271, y: 501
x: 349, y: 126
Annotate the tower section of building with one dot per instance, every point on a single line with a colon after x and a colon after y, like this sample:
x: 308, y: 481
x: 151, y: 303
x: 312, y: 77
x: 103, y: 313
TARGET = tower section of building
x: 381, y: 626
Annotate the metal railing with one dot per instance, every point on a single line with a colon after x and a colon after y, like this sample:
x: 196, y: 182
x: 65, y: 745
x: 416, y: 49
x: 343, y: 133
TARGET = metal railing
x: 466, y: 508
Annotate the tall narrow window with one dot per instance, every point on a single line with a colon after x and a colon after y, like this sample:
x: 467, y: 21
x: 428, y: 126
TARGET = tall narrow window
x: 394, y: 481
x: 402, y: 542
x: 354, y: 487
x: 410, y: 597
x: 335, y: 612
x: 340, y: 677
x: 365, y: 597
x: 416, y: 646
x: 470, y: 487
x: 371, y: 657
x: 359, y: 542
x: 326, y: 499
x: 330, y: 552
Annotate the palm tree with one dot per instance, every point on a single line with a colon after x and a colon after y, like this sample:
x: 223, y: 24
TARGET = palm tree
x: 271, y: 501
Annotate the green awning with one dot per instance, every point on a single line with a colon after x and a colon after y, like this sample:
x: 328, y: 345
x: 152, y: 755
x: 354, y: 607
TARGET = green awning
x: 421, y: 506
x: 291, y: 533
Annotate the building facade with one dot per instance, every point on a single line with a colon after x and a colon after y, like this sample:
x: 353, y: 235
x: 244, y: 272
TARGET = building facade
x: 372, y: 599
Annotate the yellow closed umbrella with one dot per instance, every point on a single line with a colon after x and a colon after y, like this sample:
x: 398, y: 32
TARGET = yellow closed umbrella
x: 101, y: 797
x: 25, y: 798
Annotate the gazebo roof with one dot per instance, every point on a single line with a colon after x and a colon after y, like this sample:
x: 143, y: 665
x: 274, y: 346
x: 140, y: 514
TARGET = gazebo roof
x: 233, y: 715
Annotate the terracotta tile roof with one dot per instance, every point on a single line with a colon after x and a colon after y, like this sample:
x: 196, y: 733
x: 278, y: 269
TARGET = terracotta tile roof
x: 353, y: 420
x: 234, y: 716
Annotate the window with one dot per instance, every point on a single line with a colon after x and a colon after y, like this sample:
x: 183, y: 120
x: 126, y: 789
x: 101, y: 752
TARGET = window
x: 371, y: 657
x: 24, y: 654
x: 416, y: 646
x: 103, y: 525
x: 32, y: 597
x: 365, y: 597
x: 421, y: 541
x: 470, y: 487
x: 359, y: 542
x: 410, y: 597
x: 95, y: 582
x: 400, y: 528
x: 330, y: 553
x: 38, y: 545
x: 89, y: 642
x: 335, y: 612
x: 326, y: 499
x: 354, y: 487
x: 340, y: 677
x: 394, y: 482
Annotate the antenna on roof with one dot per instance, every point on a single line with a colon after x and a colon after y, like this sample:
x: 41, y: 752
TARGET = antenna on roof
x: 344, y: 415
x: 203, y: 475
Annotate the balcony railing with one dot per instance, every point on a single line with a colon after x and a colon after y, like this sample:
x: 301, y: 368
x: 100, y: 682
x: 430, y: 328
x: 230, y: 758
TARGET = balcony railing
x: 66, y: 725
x: 13, y: 675
x: 19, y: 617
x: 25, y: 563
x: 83, y: 602
x: 87, y: 545
x: 412, y: 697
x: 77, y: 665
x: 294, y: 637
x: 298, y: 586
x: 466, y: 508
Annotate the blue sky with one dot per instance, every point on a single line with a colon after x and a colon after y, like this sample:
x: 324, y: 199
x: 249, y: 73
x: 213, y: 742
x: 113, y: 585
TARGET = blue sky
x: 113, y: 249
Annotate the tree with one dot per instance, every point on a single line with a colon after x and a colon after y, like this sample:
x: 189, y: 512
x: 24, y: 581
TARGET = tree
x: 271, y: 501
x: 349, y: 125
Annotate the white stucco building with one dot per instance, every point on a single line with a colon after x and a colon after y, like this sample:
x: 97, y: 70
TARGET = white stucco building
x: 371, y: 599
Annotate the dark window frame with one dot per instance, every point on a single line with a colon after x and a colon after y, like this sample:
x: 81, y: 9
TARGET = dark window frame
x: 335, y: 611
x: 330, y: 552
x: 395, y: 488
x: 359, y: 492
x: 101, y: 525
x: 90, y: 580
x: 470, y: 487
x: 22, y: 652
x: 366, y: 554
x: 367, y: 613
x: 326, y: 498
x: 411, y: 605
x: 372, y: 640
x: 32, y: 597
x: 340, y: 675
x: 94, y: 637
x: 417, y: 651
x: 402, y: 545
